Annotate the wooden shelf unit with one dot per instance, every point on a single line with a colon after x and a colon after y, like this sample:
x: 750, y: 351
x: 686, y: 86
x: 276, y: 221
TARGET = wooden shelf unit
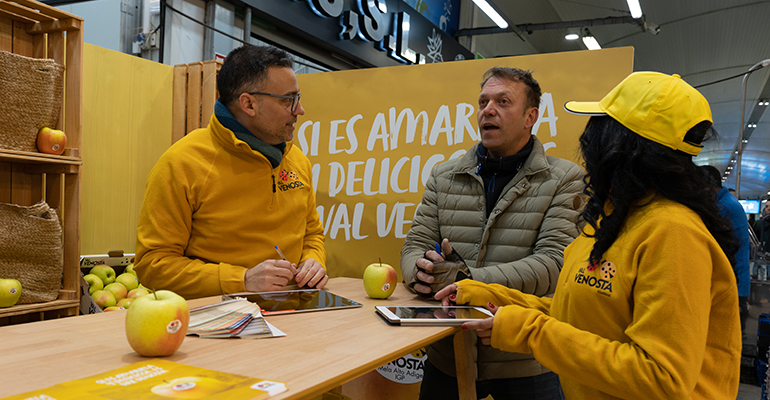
x: 33, y: 29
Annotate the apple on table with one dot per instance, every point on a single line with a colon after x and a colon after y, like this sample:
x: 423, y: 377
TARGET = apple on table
x: 380, y: 280
x: 156, y: 324
x: 10, y: 291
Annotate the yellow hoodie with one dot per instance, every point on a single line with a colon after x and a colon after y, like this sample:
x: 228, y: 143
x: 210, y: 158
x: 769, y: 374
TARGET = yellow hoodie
x: 657, y: 319
x: 213, y: 208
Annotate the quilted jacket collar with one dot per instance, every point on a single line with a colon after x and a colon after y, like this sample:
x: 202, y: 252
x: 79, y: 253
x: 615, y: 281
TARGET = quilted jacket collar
x: 535, y: 163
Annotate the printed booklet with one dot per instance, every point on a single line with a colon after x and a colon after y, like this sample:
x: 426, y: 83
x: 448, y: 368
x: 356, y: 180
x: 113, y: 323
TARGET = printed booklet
x: 157, y: 379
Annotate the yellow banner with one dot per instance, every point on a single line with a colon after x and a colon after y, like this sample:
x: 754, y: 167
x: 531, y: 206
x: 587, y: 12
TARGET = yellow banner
x: 373, y: 136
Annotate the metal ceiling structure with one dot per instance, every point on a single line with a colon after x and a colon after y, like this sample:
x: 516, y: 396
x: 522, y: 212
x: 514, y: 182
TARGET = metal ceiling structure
x: 702, y: 40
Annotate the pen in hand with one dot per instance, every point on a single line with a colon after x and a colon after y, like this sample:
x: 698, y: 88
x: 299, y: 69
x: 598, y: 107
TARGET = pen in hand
x: 438, y: 250
x: 280, y: 253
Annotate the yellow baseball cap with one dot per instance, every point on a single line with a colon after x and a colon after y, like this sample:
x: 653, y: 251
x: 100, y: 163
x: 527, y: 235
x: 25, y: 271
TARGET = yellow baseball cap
x: 656, y: 106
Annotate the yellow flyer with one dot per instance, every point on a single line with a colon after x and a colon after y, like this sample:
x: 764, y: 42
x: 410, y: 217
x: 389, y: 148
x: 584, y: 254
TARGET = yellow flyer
x: 157, y: 379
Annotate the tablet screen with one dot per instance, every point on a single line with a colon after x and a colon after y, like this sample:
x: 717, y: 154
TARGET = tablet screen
x: 406, y: 313
x: 291, y: 301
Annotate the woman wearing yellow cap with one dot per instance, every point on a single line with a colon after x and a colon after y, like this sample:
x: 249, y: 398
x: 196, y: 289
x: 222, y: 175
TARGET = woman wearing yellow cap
x: 646, y: 305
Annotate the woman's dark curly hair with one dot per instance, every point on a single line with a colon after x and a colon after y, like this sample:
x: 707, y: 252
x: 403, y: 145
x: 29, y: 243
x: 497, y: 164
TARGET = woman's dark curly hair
x: 623, y: 167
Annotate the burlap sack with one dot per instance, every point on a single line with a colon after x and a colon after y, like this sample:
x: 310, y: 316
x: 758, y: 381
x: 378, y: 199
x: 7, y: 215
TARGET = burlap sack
x: 30, y: 98
x: 31, y: 250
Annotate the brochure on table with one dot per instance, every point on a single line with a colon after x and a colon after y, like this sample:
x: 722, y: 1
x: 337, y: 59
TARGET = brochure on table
x: 160, y: 379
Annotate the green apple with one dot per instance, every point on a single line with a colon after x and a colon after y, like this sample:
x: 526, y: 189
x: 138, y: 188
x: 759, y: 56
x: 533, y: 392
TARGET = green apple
x: 104, y: 298
x: 190, y: 387
x: 125, y: 303
x: 156, y: 324
x: 129, y: 269
x: 128, y: 280
x: 10, y: 291
x: 380, y: 280
x: 138, y: 292
x: 94, y: 283
x: 117, y: 289
x: 104, y: 272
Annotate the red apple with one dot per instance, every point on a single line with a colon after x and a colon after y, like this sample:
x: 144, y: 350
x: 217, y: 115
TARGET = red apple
x: 51, y: 141
x: 380, y: 280
x: 156, y: 324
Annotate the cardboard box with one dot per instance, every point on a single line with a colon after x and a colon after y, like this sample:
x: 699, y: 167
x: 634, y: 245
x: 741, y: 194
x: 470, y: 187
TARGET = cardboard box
x: 115, y: 259
x: 118, y: 261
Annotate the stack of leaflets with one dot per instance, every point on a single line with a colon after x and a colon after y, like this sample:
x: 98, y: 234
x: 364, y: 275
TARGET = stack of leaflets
x: 238, y: 318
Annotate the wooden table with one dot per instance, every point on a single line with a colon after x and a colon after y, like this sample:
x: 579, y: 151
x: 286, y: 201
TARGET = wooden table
x: 321, y: 351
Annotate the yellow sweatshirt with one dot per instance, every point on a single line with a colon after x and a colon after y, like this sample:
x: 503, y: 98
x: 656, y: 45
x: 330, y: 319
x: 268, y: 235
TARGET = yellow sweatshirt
x: 657, y: 319
x: 213, y: 208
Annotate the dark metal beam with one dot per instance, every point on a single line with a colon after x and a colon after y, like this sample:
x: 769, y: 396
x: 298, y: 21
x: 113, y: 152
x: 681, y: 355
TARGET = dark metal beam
x: 529, y: 28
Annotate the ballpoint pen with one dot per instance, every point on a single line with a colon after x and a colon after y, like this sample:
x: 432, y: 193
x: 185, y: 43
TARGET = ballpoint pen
x: 280, y: 253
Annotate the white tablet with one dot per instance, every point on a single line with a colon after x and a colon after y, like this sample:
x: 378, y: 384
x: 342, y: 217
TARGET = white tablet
x: 438, y: 315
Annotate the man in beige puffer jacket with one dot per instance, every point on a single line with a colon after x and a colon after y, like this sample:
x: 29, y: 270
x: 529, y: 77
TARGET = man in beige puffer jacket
x: 503, y: 213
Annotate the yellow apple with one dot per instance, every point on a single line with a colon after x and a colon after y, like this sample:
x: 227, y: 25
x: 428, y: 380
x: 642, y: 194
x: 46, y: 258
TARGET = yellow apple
x: 104, y: 298
x: 380, y: 280
x: 117, y: 289
x: 128, y: 280
x: 156, y: 324
x: 125, y: 303
x: 10, y: 291
x: 104, y: 272
x: 51, y: 141
x: 113, y: 308
x: 138, y: 292
x: 190, y: 387
x: 94, y: 283
x: 130, y: 269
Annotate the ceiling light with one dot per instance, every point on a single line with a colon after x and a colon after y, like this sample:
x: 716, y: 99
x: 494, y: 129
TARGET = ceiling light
x: 572, y: 34
x: 492, y: 13
x: 745, y: 140
x: 736, y: 151
x: 590, y: 41
x: 635, y: 8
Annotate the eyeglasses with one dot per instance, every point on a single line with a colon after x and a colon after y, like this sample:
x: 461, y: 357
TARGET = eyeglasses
x: 294, y: 99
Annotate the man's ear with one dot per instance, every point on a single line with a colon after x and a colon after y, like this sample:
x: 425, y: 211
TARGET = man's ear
x: 531, y: 116
x: 247, y: 104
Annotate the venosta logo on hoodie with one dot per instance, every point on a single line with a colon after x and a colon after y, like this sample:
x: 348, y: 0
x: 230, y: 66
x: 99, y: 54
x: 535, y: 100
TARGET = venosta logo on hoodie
x: 288, y: 180
x: 602, y: 281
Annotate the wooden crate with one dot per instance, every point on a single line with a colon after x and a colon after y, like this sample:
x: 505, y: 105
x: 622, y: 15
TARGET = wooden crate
x: 195, y: 92
x: 33, y: 29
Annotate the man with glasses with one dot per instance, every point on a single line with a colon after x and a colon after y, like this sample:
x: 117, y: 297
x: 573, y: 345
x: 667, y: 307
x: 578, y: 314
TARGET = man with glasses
x: 230, y: 207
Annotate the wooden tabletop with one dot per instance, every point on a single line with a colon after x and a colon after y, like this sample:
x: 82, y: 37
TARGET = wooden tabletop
x: 321, y: 351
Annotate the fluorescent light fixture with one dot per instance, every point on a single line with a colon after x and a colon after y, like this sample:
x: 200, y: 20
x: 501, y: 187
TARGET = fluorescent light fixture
x: 635, y: 8
x: 572, y: 34
x: 590, y: 41
x: 491, y: 13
